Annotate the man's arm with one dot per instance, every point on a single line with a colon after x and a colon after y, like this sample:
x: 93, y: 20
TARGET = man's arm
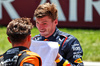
x: 72, y: 53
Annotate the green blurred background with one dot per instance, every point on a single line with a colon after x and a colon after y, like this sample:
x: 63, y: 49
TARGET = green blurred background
x: 88, y: 38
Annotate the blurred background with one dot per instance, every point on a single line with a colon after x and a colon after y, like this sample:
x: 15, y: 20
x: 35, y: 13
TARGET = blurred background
x: 80, y: 18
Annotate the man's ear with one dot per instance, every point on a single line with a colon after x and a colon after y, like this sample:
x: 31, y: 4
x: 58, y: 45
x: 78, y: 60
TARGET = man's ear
x: 9, y: 39
x: 56, y: 21
x: 29, y: 37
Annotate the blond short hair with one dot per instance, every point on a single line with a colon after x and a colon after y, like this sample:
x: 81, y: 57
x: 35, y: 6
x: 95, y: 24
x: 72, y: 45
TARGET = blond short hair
x: 46, y: 9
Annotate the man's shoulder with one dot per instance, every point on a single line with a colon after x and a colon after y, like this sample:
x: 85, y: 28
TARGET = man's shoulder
x: 1, y: 57
x: 26, y: 56
x: 68, y: 38
x: 30, y: 53
x: 66, y: 35
x: 36, y: 37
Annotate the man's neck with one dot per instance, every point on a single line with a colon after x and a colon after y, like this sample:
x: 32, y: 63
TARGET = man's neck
x: 19, y: 44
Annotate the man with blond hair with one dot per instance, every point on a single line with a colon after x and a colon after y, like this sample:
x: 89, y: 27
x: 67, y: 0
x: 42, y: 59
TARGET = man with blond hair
x: 70, y: 51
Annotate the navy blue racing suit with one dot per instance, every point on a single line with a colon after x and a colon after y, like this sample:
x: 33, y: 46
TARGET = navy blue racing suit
x: 69, y: 47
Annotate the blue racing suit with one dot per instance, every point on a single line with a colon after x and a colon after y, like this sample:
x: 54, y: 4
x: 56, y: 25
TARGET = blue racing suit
x: 69, y: 47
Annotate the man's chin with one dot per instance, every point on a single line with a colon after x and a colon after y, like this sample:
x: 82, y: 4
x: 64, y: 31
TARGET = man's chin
x: 42, y: 34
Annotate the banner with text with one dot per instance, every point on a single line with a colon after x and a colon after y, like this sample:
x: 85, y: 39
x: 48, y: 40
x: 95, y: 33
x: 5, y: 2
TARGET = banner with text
x: 71, y: 13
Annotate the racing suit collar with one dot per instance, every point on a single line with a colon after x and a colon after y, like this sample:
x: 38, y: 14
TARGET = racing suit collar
x: 21, y: 48
x: 15, y: 50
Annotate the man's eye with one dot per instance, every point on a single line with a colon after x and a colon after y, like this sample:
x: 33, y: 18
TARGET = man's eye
x: 44, y: 23
x: 37, y: 22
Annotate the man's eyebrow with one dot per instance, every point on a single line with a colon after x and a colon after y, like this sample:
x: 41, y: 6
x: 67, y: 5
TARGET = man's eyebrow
x: 44, y: 21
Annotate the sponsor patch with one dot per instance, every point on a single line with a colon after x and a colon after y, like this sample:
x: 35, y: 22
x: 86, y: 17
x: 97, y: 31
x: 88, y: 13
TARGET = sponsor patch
x: 78, y: 60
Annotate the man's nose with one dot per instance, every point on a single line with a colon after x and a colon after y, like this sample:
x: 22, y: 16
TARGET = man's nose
x: 41, y: 26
